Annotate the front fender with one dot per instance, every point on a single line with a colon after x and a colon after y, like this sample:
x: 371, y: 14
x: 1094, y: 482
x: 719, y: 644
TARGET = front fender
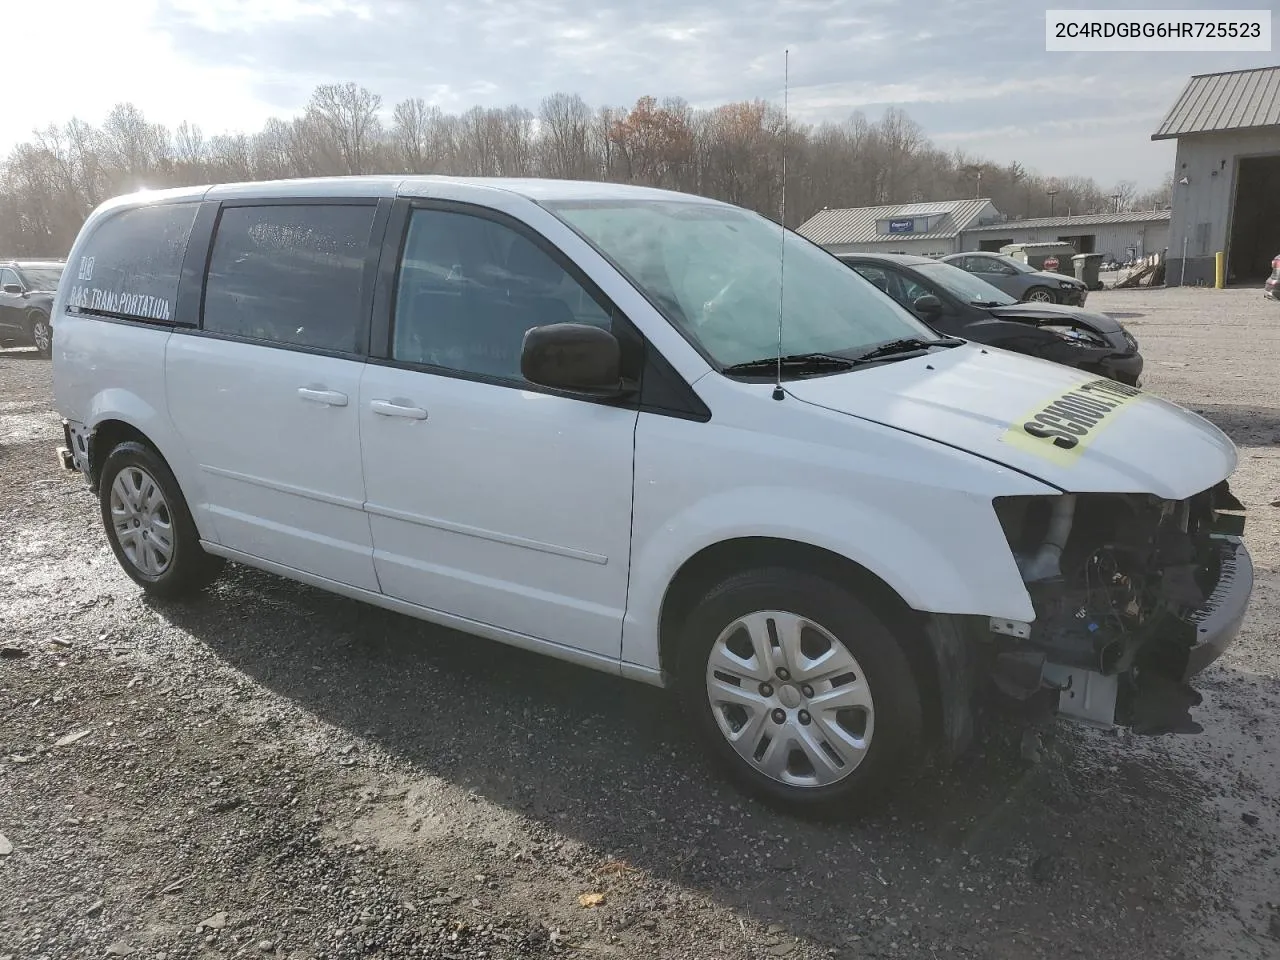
x: 946, y: 556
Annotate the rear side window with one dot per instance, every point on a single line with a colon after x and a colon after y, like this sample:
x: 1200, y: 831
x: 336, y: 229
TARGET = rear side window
x: 130, y: 265
x: 289, y: 274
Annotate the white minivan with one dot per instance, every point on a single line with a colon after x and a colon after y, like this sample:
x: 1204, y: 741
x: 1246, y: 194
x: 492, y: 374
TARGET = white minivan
x: 651, y: 434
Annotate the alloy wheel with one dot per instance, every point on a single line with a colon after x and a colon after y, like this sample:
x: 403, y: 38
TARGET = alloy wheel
x: 41, y: 334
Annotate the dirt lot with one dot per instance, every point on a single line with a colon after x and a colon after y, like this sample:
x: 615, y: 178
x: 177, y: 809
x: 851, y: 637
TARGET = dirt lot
x: 272, y: 771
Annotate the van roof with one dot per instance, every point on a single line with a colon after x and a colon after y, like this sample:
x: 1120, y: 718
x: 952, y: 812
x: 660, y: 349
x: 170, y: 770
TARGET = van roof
x: 391, y: 185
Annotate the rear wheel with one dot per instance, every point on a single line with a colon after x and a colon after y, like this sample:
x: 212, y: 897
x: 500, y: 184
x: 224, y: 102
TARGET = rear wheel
x: 1041, y: 295
x: 800, y: 691
x: 41, y: 334
x: 149, y: 526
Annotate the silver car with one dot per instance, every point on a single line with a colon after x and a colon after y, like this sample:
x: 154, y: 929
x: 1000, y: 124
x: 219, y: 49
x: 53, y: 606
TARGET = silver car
x: 1020, y: 280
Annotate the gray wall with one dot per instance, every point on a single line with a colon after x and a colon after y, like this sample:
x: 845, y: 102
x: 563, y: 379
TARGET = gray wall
x: 1202, y: 208
x: 914, y: 246
x: 1114, y: 238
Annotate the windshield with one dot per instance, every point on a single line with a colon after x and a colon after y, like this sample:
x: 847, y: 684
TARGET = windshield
x: 964, y: 285
x: 1016, y: 264
x: 41, y: 278
x: 713, y: 270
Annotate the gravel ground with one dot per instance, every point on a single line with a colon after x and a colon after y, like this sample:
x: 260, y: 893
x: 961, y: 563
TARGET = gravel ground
x: 273, y: 771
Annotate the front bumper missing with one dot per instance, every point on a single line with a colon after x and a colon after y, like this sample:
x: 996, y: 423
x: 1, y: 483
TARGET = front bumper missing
x: 1145, y: 700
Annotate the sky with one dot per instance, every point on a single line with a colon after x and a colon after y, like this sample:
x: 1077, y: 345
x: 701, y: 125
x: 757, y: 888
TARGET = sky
x: 973, y: 73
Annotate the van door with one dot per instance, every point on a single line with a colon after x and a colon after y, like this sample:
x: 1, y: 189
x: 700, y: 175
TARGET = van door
x: 491, y: 499
x: 266, y: 393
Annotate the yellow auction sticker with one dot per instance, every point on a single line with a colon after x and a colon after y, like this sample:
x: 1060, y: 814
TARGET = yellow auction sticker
x: 1060, y: 428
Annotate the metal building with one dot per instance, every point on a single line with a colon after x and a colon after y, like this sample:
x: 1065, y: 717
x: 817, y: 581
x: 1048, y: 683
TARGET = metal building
x: 924, y: 229
x: 1226, y: 181
x: 1122, y: 236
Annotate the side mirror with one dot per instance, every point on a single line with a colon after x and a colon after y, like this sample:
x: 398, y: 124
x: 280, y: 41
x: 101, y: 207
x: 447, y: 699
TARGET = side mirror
x: 12, y: 288
x: 573, y: 356
x: 929, y: 305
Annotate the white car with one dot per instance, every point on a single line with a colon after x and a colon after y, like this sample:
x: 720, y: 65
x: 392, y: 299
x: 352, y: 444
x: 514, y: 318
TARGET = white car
x: 555, y: 415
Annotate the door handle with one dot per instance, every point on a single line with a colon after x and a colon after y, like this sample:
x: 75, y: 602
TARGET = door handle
x: 330, y: 397
x: 386, y: 408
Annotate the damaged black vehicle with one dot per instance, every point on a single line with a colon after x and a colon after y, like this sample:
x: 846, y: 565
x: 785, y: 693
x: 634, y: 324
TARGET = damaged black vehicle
x: 959, y: 304
x: 1134, y: 595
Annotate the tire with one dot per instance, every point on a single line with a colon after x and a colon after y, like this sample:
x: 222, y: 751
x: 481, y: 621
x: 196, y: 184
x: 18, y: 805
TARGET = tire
x: 41, y: 334
x: 1040, y: 295
x: 149, y: 526
x: 883, y: 708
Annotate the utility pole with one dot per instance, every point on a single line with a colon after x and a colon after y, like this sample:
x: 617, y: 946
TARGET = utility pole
x: 1051, y: 194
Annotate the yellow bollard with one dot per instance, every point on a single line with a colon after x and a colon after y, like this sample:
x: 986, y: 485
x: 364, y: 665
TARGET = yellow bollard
x: 1219, y: 270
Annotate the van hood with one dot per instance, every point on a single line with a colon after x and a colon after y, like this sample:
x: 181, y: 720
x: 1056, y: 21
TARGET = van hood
x: 1078, y: 432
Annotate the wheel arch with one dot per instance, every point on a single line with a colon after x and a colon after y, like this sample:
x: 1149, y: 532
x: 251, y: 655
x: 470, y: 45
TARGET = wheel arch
x: 106, y: 436
x: 716, y: 562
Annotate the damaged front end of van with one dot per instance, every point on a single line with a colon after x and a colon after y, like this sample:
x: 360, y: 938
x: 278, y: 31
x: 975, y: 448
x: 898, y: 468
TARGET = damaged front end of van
x: 1133, y: 595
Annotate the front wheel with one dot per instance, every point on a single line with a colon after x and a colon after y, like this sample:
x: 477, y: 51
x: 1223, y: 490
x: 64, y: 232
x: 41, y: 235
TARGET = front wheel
x: 800, y: 691
x: 149, y: 526
x: 41, y: 334
x: 1041, y: 295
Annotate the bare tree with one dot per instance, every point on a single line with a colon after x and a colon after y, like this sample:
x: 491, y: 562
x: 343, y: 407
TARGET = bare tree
x: 271, y: 150
x: 1123, y: 193
x: 231, y: 156
x: 732, y: 152
x: 348, y: 115
x: 411, y: 133
x: 565, y: 136
x: 1157, y: 198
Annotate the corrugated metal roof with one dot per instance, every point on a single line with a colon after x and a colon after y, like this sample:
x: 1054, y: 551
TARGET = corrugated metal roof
x: 858, y: 224
x: 1083, y: 220
x: 1211, y: 102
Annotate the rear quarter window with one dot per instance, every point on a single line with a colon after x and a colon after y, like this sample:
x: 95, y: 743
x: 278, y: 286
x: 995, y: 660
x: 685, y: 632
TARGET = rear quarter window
x: 130, y: 265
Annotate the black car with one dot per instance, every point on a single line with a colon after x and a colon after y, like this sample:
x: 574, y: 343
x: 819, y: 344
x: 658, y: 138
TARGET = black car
x: 26, y: 302
x: 957, y: 303
x: 1271, y: 289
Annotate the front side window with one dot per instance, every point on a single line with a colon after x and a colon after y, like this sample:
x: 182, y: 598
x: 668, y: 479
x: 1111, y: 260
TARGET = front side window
x: 129, y: 266
x: 470, y: 288
x: 913, y: 290
x: 716, y: 273
x: 290, y: 274
x: 878, y: 276
x: 1014, y: 266
x: 990, y: 265
x: 7, y: 277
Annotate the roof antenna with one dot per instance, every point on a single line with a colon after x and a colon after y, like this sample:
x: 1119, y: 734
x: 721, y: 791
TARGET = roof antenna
x: 778, y: 393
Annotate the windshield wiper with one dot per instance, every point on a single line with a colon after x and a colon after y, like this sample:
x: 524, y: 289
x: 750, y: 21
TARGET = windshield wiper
x: 986, y: 303
x: 792, y: 363
x: 904, y: 346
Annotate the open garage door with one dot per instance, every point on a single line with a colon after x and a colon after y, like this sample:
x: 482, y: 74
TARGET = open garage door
x: 1255, y: 219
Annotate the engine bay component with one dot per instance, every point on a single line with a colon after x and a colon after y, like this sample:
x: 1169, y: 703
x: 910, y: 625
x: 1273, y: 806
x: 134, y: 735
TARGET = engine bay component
x: 1133, y: 596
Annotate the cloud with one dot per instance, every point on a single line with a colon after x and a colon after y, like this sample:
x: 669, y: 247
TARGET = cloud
x: 973, y: 73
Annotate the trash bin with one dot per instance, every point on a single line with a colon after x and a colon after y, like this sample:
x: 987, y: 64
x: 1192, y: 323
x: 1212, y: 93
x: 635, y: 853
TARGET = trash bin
x: 1086, y: 267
